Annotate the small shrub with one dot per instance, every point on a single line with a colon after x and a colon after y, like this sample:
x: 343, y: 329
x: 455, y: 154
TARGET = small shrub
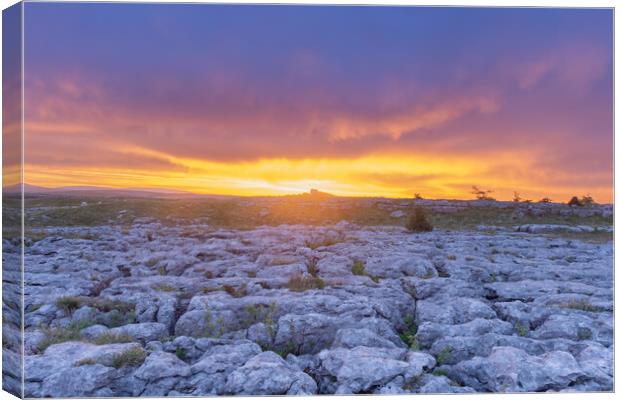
x: 99, y: 286
x: 444, y: 355
x: 521, y: 329
x: 481, y: 194
x: 545, y: 200
x: 161, y: 270
x: 115, y: 319
x: 408, y: 334
x: 325, y: 242
x: 286, y: 349
x: 213, y: 328
x: 575, y: 202
x: 181, y: 353
x: 68, y: 304
x: 299, y: 283
x: 251, y: 274
x: 241, y: 291
x: 358, y: 268
x: 312, y: 266
x: 255, y: 313
x: 410, y: 339
x: 134, y: 356
x: 587, y: 200
x: 440, y: 372
x: 418, y: 221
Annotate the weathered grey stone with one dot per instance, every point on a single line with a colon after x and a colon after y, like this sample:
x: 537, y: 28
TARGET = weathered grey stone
x: 159, y: 374
x: 357, y: 370
x: 268, y: 374
x: 84, y: 313
x: 508, y: 370
x: 456, y: 296
x: 94, y: 331
x: 144, y: 332
x: 350, y: 338
x: 87, y: 380
x: 441, y: 384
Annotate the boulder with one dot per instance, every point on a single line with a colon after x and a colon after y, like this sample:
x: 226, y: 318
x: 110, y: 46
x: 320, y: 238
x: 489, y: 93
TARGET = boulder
x: 359, y: 369
x: 508, y: 369
x: 351, y: 337
x: 268, y: 374
x: 160, y: 373
x: 144, y: 332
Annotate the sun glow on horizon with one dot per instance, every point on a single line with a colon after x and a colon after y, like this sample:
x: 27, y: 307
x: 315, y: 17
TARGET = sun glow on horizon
x: 381, y: 175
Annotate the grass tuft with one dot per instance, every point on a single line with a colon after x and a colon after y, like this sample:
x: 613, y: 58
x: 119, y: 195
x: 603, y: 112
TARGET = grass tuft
x: 408, y: 334
x: 359, y: 269
x: 238, y: 292
x: 299, y: 283
x: 134, y: 357
x: 85, y: 361
x: 108, y: 338
x: 58, y: 335
x: 521, y: 329
x: 582, y: 305
x: 68, y: 304
x: 444, y: 355
x: 163, y: 287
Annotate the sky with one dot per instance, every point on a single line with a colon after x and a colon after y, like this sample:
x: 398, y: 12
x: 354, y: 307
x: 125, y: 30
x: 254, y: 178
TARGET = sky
x: 360, y: 101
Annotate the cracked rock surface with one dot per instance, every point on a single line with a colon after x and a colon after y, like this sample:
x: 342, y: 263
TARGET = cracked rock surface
x: 163, y: 309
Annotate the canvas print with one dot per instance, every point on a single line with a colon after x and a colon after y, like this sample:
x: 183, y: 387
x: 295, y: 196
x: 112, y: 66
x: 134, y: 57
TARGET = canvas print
x: 217, y: 200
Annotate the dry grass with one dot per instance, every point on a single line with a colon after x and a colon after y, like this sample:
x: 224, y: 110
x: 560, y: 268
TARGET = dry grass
x: 108, y: 338
x: 582, y: 305
x: 44, y: 211
x: 133, y: 357
x: 301, y: 283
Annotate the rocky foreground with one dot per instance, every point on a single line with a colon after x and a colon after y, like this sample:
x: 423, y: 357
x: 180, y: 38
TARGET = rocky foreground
x: 154, y: 310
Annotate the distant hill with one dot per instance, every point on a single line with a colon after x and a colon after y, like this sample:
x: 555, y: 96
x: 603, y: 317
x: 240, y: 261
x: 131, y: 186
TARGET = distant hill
x: 101, y: 191
x: 313, y: 194
x: 317, y: 194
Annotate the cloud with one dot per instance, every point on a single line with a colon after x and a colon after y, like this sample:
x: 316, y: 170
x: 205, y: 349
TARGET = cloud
x: 575, y: 65
x: 417, y: 118
x: 372, y: 103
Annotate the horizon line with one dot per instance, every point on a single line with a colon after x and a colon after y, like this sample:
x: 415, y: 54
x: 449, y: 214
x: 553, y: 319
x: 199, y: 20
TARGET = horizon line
x: 171, y: 192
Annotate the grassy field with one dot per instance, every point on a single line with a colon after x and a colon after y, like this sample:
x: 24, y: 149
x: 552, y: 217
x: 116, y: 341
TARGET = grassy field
x: 247, y: 213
